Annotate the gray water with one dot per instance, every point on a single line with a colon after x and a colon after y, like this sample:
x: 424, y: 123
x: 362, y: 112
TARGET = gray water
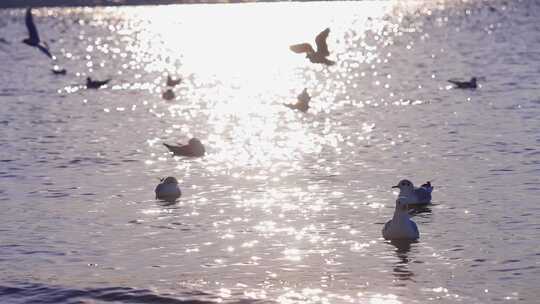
x: 285, y: 207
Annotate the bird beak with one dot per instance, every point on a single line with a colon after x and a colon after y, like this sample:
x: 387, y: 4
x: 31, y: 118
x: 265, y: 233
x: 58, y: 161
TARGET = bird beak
x: 395, y: 186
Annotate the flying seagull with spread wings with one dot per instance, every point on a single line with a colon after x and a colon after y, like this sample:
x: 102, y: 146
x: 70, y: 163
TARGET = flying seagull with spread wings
x: 322, y: 52
x: 33, y: 39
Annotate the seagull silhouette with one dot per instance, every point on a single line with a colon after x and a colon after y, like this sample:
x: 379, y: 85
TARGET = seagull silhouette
x: 194, y: 148
x: 168, y: 189
x: 95, y: 84
x: 168, y: 95
x: 173, y: 82
x: 471, y: 84
x: 33, y: 39
x: 322, y: 52
x: 303, y: 102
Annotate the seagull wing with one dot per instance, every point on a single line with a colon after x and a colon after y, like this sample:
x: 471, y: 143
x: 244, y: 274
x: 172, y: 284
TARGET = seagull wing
x: 423, y: 195
x: 45, y: 50
x: 303, y: 96
x: 32, y: 30
x: 320, y: 40
x: 170, y: 81
x: 302, y: 48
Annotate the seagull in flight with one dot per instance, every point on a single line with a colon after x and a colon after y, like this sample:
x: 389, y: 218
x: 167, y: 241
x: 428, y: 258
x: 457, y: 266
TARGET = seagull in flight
x: 33, y: 39
x: 322, y: 52
x: 471, y: 84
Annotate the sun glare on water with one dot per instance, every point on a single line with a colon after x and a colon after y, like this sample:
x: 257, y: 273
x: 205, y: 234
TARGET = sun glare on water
x: 242, y: 68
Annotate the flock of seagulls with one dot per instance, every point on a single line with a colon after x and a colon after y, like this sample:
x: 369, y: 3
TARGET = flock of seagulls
x: 400, y: 227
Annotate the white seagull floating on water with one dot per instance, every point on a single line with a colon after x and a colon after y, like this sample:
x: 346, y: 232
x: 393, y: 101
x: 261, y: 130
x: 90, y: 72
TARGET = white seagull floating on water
x: 400, y: 227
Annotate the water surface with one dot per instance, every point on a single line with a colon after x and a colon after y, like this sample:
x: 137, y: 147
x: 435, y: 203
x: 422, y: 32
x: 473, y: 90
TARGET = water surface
x: 285, y: 207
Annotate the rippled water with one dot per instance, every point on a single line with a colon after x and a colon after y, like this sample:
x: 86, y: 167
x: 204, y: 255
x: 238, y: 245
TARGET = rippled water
x: 285, y: 207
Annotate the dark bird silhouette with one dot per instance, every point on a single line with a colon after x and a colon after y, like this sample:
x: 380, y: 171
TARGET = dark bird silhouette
x: 33, y: 39
x: 95, y: 84
x: 173, y: 82
x: 168, y: 95
x: 168, y: 189
x: 322, y: 52
x: 471, y: 84
x: 194, y: 148
x: 302, y: 103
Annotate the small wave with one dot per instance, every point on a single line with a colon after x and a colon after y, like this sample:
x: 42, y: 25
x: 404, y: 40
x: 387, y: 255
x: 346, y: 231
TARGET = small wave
x: 44, y: 294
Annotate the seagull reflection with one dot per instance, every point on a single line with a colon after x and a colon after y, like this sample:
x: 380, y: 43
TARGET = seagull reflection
x: 414, y: 210
x: 400, y: 270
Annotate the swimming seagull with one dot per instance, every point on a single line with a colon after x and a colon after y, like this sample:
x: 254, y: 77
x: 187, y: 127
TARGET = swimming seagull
x: 33, y: 39
x: 194, y: 148
x: 414, y: 196
x: 173, y: 82
x: 303, y: 102
x: 168, y: 189
x: 168, y: 94
x: 95, y: 84
x: 322, y: 52
x: 471, y: 84
x: 400, y: 227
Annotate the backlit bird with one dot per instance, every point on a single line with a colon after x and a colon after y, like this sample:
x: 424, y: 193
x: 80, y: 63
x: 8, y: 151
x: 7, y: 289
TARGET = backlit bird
x: 322, y: 52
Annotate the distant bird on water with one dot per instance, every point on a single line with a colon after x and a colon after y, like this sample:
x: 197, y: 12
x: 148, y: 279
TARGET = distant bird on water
x: 173, y: 82
x: 33, y: 39
x: 168, y: 189
x: 471, y: 84
x: 194, y: 148
x: 414, y: 196
x: 322, y: 52
x: 95, y: 84
x: 302, y: 103
x: 168, y: 95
